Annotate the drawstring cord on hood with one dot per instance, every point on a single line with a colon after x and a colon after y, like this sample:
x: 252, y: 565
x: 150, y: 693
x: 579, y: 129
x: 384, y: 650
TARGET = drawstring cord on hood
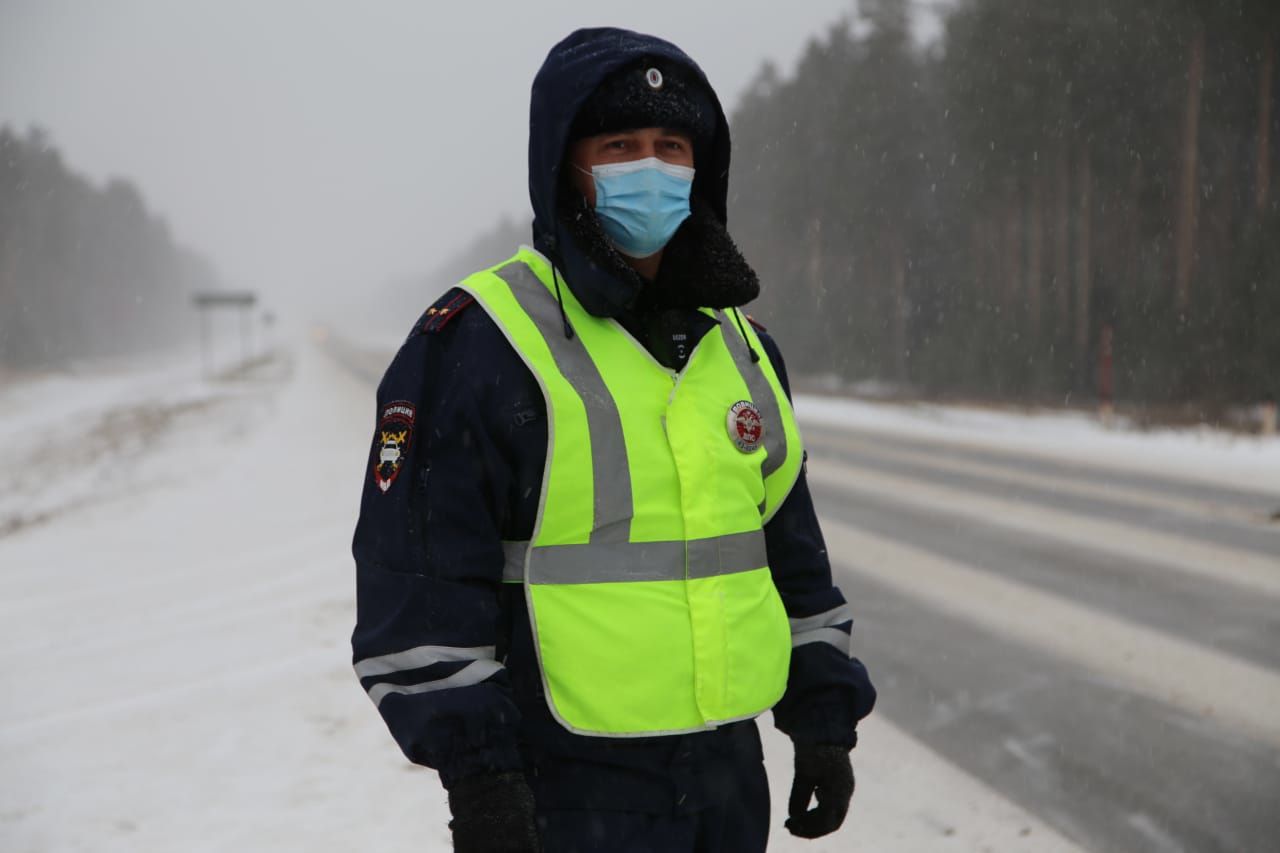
x: 555, y: 277
x: 755, y: 357
x: 564, y: 318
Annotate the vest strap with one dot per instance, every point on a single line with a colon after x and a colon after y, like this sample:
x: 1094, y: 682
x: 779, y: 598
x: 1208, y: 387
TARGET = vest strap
x: 610, y: 476
x: 762, y: 396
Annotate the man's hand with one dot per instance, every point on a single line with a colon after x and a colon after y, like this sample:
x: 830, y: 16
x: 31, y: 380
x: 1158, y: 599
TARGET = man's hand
x: 826, y: 773
x: 493, y: 814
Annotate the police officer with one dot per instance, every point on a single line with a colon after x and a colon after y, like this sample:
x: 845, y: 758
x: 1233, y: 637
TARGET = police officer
x: 587, y: 557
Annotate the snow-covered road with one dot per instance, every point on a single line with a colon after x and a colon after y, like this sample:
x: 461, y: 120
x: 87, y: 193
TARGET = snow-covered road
x: 175, y: 619
x: 1085, y: 620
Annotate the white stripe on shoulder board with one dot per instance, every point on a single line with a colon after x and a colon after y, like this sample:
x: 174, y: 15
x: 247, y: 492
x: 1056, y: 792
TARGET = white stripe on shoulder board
x: 418, y: 657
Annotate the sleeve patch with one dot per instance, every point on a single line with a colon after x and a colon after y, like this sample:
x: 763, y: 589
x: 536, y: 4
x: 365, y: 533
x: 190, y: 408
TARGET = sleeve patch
x: 395, y: 434
x: 446, y: 308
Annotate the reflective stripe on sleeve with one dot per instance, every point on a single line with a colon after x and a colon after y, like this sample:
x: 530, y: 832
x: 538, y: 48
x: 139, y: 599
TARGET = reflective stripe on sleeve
x: 473, y: 673
x: 833, y: 627
x: 418, y: 657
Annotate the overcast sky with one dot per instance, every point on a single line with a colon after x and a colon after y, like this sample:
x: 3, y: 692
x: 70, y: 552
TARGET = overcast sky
x: 317, y: 147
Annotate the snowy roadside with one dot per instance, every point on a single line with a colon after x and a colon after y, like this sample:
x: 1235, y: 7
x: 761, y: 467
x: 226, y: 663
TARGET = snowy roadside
x: 1205, y: 454
x: 176, y: 671
x: 71, y: 439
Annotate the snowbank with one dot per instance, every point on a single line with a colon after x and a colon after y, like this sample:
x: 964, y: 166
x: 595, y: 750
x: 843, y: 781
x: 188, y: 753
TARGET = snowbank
x: 1251, y: 462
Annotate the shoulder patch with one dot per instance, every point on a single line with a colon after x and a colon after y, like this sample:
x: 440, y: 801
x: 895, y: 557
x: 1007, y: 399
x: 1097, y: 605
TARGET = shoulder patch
x: 755, y: 324
x: 446, y: 308
x: 391, y: 445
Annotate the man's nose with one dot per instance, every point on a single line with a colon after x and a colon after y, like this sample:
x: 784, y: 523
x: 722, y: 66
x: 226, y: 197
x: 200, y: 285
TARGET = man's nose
x: 649, y: 149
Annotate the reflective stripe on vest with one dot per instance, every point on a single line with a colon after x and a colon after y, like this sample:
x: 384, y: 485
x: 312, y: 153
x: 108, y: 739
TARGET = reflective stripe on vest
x: 650, y: 597
x: 637, y: 561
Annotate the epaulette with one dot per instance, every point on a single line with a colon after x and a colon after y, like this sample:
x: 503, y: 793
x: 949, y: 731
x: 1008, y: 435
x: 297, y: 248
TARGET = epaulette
x: 756, y: 324
x: 446, y: 308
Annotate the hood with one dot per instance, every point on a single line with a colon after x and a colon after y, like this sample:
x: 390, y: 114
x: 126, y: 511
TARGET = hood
x: 572, y: 71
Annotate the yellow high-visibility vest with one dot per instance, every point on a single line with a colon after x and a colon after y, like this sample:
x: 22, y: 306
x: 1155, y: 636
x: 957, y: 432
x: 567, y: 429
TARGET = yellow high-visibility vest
x: 649, y: 591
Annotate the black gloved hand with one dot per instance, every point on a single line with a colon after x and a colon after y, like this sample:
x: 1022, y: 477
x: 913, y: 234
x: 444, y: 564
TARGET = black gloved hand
x: 826, y: 773
x: 493, y: 813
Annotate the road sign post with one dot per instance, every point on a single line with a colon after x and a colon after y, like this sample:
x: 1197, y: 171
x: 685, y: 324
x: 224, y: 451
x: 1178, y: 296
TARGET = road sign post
x: 208, y: 301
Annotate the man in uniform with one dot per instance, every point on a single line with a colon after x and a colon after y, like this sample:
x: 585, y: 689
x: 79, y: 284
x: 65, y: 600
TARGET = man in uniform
x: 587, y: 557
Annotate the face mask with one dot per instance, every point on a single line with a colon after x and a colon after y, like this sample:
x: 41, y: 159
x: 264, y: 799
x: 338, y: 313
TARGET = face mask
x: 640, y: 204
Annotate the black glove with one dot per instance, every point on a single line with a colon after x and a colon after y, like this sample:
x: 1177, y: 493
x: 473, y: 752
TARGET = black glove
x: 826, y: 773
x: 493, y: 813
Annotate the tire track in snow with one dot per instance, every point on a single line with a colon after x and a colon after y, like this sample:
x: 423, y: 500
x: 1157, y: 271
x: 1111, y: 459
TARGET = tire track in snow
x: 1252, y: 572
x: 1161, y: 666
x: 1201, y: 519
x: 1215, y: 615
x: 1078, y: 748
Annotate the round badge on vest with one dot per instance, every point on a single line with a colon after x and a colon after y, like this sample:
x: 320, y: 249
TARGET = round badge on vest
x: 746, y: 427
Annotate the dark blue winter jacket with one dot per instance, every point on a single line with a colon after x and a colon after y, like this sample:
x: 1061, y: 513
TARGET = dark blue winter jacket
x: 468, y: 430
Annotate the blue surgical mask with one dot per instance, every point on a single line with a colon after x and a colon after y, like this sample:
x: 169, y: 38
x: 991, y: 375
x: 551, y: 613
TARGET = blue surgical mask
x: 640, y: 204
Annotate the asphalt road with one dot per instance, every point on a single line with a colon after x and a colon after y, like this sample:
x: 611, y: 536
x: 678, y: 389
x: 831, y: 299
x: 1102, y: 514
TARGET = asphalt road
x: 1101, y: 647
